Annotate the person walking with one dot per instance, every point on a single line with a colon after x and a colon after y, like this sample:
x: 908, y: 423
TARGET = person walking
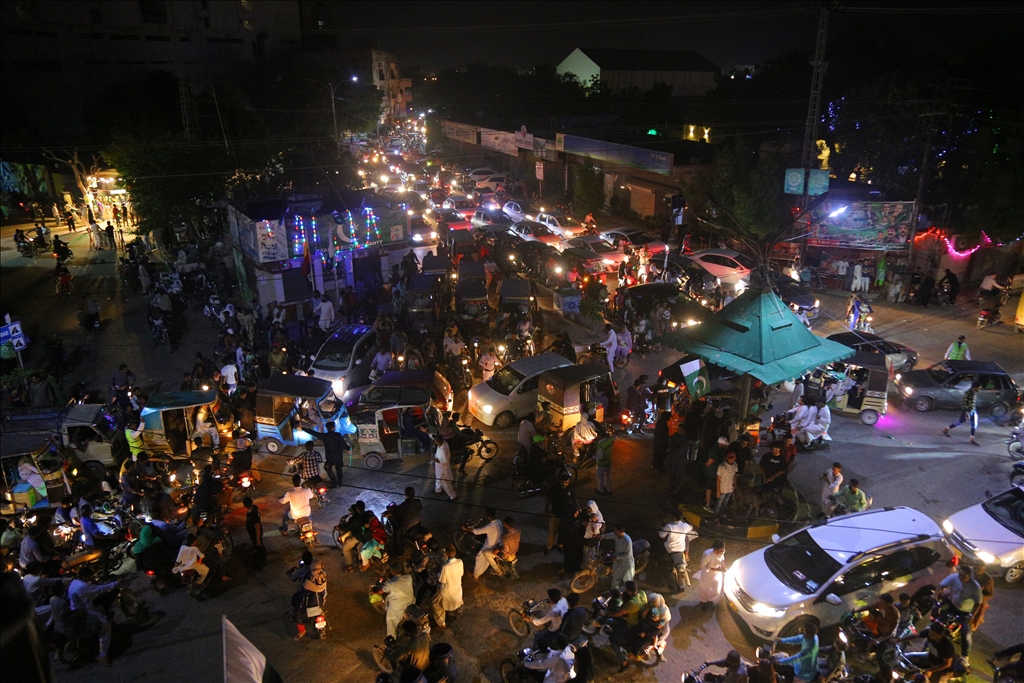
x: 254, y: 527
x: 449, y: 596
x: 622, y: 560
x: 335, y: 446
x: 603, y: 461
x: 443, y: 475
x: 108, y: 229
x: 958, y: 350
x: 968, y: 412
x: 832, y: 481
x: 712, y: 576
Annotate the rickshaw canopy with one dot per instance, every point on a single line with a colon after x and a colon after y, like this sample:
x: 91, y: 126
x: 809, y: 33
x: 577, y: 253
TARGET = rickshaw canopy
x: 515, y: 289
x: 472, y: 270
x: 471, y: 289
x: 434, y: 264
x: 174, y: 400
x: 424, y: 282
x: 296, y: 386
x: 553, y: 383
x: 462, y: 239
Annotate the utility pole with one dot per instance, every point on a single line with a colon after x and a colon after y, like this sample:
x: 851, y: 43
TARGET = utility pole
x: 814, y: 103
x: 334, y: 111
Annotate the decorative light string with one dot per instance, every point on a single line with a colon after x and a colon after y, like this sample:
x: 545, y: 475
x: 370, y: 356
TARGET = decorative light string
x: 299, y: 237
x: 985, y: 241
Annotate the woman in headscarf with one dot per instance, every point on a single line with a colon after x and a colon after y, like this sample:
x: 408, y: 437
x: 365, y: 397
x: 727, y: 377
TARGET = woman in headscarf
x: 592, y: 531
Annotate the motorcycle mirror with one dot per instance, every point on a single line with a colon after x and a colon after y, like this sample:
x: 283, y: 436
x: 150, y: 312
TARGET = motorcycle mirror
x: 833, y: 599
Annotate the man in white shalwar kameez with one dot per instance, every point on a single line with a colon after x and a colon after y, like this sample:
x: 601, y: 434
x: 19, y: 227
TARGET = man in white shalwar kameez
x: 449, y: 595
x: 492, y: 533
x: 712, y: 576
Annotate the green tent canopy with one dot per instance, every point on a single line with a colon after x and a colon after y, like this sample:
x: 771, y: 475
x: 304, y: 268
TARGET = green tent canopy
x: 757, y: 334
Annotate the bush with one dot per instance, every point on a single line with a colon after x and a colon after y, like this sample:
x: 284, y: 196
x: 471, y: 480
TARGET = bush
x: 589, y: 308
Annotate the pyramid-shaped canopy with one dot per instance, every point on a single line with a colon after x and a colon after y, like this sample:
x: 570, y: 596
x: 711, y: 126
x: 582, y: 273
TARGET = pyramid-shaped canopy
x: 758, y: 334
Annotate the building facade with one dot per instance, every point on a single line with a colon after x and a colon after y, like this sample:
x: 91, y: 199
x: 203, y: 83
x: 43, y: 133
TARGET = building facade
x: 396, y: 92
x: 687, y: 73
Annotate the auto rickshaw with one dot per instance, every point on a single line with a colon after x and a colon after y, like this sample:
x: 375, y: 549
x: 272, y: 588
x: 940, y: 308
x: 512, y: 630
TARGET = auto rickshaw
x: 170, y: 420
x: 573, y: 389
x: 435, y: 265
x: 461, y: 243
x: 472, y: 271
x: 516, y: 297
x: 379, y: 429
x: 287, y: 403
x: 856, y: 385
x: 473, y: 312
x: 423, y: 299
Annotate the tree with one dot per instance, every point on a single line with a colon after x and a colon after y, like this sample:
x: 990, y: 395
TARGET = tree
x: 77, y: 166
x: 588, y: 193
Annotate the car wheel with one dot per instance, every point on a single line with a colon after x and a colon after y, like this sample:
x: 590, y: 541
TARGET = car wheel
x: 373, y: 461
x: 1014, y: 573
x: 273, y: 446
x: 796, y: 627
x: 907, y: 367
x: 504, y: 420
x: 922, y: 404
x: 95, y: 469
x: 869, y: 417
x: 998, y: 409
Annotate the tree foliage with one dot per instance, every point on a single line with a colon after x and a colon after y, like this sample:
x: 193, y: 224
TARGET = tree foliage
x: 588, y: 195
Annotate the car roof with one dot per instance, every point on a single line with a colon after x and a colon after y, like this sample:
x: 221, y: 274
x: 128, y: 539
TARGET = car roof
x: 849, y: 536
x: 731, y: 253
x: 531, y: 365
x: 974, y: 366
x: 349, y: 334
x: 851, y: 338
x: 625, y: 230
x: 80, y: 415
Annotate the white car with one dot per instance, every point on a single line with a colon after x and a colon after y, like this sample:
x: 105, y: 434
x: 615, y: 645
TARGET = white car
x: 636, y: 238
x: 562, y: 224
x: 492, y: 183
x: 519, y: 211
x: 611, y: 256
x: 478, y: 174
x: 344, y: 359
x: 532, y: 231
x: 992, y: 533
x: 422, y: 188
x: 512, y: 393
x: 824, y: 571
x: 729, y: 266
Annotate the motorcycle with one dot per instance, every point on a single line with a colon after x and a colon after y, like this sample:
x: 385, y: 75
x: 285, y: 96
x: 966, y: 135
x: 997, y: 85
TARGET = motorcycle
x: 77, y: 649
x: 466, y: 442
x: 633, y: 423
x: 642, y: 647
x: 528, y: 479
x: 306, y: 532
x: 458, y: 371
x: 520, y: 619
x: 599, y: 354
x: 516, y: 671
x: 988, y: 318
x: 601, y: 567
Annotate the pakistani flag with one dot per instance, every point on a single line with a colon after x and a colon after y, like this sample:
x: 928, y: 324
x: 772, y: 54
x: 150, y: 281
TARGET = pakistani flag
x: 696, y: 376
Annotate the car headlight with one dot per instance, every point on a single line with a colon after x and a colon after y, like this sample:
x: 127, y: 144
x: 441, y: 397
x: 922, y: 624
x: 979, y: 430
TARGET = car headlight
x: 338, y: 386
x: 417, y: 238
x: 909, y: 391
x: 898, y: 376
x: 433, y: 235
x: 488, y: 409
x: 608, y: 261
x: 947, y: 526
x: 691, y: 322
x: 987, y: 558
x: 817, y: 303
x: 767, y: 610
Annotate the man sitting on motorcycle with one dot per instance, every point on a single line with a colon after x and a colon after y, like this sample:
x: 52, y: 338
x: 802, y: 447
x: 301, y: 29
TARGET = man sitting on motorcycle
x: 735, y: 669
x: 851, y: 498
x: 557, y: 664
x: 936, y: 662
x: 82, y: 595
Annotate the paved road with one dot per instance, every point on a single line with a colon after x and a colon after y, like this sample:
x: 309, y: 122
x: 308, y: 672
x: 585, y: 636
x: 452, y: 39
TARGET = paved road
x: 902, y: 460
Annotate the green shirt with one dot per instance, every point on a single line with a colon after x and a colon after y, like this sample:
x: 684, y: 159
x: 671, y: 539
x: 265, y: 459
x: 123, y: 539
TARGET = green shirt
x: 970, y: 402
x: 633, y: 607
x: 603, y: 457
x: 855, y: 501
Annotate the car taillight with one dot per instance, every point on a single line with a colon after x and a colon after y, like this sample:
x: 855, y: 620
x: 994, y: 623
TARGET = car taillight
x: 150, y: 572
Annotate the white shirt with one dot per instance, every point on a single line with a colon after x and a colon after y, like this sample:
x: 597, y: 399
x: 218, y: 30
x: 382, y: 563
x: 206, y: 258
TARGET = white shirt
x: 526, y: 433
x: 824, y: 416
x: 492, y: 532
x: 297, y: 501
x: 833, y: 482
x: 326, y: 311
x: 727, y: 477
x: 677, y: 536
x: 612, y: 342
x: 554, y: 616
x: 842, y: 267
x: 188, y: 557
x: 229, y: 373
x: 443, y: 455
x: 989, y: 282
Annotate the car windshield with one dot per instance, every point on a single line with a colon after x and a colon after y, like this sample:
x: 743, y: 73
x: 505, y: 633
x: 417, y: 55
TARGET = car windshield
x: 745, y: 261
x: 601, y: 247
x: 800, y: 563
x: 1008, y: 510
x: 540, y: 230
x: 567, y: 221
x: 506, y: 380
x: 637, y: 238
x: 940, y: 372
x: 334, y: 356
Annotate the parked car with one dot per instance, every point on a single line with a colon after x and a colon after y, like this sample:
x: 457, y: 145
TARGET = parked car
x: 422, y: 188
x: 562, y: 224
x: 493, y: 182
x: 903, y: 358
x: 824, y: 571
x: 490, y: 218
x: 728, y: 265
x: 943, y: 386
x: 512, y: 393
x: 611, y: 256
x: 532, y: 231
x: 684, y: 310
x: 344, y: 359
x: 519, y: 211
x: 465, y: 207
x: 636, y: 238
x: 992, y: 533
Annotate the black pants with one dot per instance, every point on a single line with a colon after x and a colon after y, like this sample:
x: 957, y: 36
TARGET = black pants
x: 333, y: 470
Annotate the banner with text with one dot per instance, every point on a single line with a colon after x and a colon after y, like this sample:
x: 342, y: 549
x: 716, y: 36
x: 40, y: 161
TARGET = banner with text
x: 545, y: 149
x: 862, y: 225
x: 634, y: 157
x: 499, y: 140
x: 460, y: 131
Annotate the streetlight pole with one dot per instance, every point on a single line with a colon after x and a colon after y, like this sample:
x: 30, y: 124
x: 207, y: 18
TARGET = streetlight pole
x: 334, y: 110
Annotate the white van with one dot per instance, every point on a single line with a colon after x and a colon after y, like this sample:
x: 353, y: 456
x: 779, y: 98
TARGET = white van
x: 512, y: 393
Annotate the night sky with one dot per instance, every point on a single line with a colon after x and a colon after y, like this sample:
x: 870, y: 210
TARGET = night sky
x: 436, y: 35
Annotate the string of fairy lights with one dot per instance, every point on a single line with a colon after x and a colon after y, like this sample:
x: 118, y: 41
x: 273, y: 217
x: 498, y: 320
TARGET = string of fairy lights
x: 370, y: 231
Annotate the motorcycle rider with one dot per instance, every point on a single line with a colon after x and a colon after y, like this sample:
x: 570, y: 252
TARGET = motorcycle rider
x: 636, y: 399
x: 404, y: 517
x: 803, y: 664
x: 297, y: 500
x: 735, y: 669
x: 314, y: 593
x: 851, y: 498
x: 557, y: 664
x: 488, y: 362
x: 398, y: 595
x: 546, y: 637
x: 492, y: 531
x: 628, y: 616
x: 610, y: 345
x: 962, y: 594
x: 82, y: 595
x: 936, y: 661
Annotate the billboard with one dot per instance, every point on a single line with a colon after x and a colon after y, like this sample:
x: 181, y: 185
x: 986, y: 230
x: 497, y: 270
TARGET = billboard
x: 460, y: 131
x: 499, y: 140
x: 635, y: 157
x: 884, y: 226
x: 544, y: 149
x: 524, y: 140
x: 262, y: 241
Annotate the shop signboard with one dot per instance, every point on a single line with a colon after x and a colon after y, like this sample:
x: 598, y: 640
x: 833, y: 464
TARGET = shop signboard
x: 261, y: 241
x: 883, y: 226
x: 623, y: 155
x: 523, y: 139
x: 499, y: 140
x: 460, y: 131
x: 544, y: 149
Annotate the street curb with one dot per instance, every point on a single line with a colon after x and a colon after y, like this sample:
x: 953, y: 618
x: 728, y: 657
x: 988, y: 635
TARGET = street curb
x: 758, y: 530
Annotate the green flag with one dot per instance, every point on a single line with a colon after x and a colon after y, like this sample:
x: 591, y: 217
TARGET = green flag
x: 696, y: 376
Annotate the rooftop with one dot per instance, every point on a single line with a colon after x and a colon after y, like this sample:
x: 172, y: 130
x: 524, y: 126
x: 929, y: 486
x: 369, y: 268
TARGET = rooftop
x: 649, y: 60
